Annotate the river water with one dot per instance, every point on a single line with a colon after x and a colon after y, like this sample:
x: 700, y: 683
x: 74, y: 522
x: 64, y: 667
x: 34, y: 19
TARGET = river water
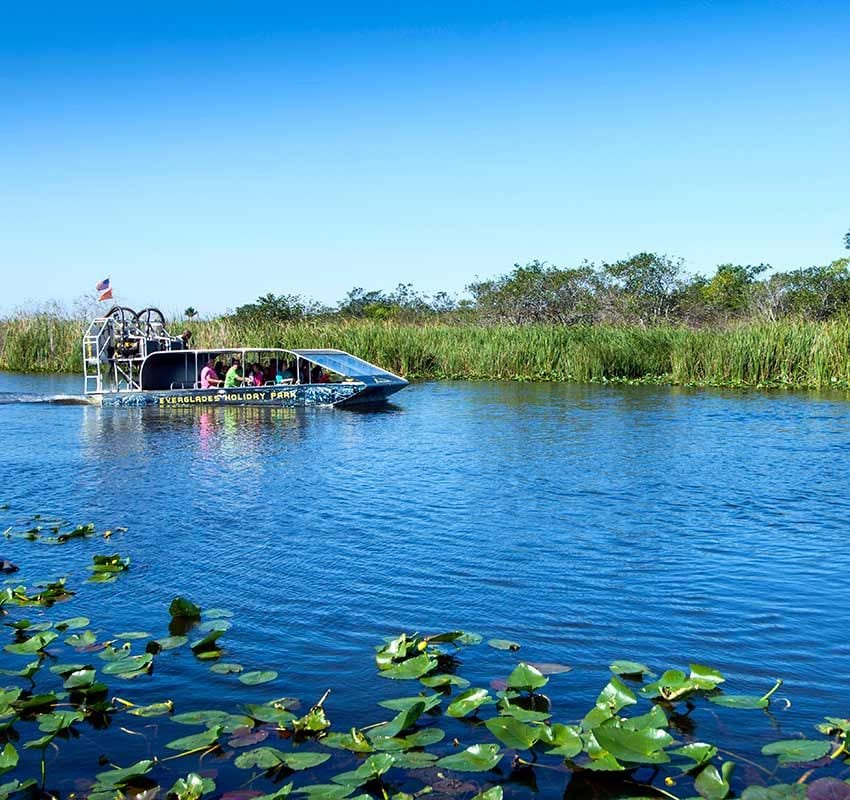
x: 586, y: 523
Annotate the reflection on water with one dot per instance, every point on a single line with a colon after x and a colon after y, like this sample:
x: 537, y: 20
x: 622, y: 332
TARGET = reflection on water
x: 588, y: 523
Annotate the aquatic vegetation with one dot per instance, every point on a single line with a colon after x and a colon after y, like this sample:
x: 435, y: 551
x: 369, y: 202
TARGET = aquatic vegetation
x: 788, y: 353
x: 432, y: 730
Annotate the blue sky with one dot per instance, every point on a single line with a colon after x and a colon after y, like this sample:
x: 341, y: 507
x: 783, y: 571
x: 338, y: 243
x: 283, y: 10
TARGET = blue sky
x: 205, y: 153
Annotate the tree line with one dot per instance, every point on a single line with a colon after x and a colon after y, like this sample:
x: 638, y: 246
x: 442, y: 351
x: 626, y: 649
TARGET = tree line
x: 644, y: 289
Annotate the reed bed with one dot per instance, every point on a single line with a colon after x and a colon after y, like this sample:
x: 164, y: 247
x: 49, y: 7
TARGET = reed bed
x: 786, y: 353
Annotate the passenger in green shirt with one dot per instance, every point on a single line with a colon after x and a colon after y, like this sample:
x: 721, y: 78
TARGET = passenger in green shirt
x: 233, y: 378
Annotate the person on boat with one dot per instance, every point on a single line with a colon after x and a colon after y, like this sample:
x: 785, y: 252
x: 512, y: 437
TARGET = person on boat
x: 257, y: 375
x: 284, y: 372
x: 318, y: 375
x: 233, y: 378
x: 186, y: 338
x: 209, y: 376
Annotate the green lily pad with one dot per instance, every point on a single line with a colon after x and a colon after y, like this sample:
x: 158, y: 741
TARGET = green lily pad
x: 417, y: 760
x: 32, y: 645
x: 493, y: 793
x: 469, y: 701
x: 403, y: 703
x: 477, y: 758
x: 713, y: 784
x: 152, y: 710
x: 780, y: 791
x: 271, y: 757
x: 192, y: 787
x: 196, y: 741
x: 118, y: 776
x: 513, y: 733
x: 206, y: 644
x: 526, y: 678
x: 624, y: 667
x: 80, y: 679
x: 225, y: 668
x: 503, y: 644
x: 181, y: 607
x: 78, y: 640
x: 128, y: 636
x: 371, y: 769
x: 257, y: 677
x: 645, y: 746
x: 123, y: 666
x: 797, y: 751
x: 410, y: 669
x: 73, y: 623
x: 217, y: 613
x: 698, y: 752
x: 566, y: 738
x: 745, y: 701
x: 425, y: 737
x: 355, y: 741
x: 468, y: 638
x: 706, y: 678
x: 215, y: 625
x: 401, y: 721
x: 325, y: 791
x: 444, y: 679
x: 171, y: 642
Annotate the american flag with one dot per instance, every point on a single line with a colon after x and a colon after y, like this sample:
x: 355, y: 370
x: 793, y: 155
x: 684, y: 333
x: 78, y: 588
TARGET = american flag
x: 103, y: 285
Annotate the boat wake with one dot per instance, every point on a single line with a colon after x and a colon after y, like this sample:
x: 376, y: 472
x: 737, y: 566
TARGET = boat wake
x: 15, y: 398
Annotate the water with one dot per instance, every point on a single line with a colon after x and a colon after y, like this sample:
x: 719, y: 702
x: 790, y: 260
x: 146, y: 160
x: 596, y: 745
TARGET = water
x: 587, y: 523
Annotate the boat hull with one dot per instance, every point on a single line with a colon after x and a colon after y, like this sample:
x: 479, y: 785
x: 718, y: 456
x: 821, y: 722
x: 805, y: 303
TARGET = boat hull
x: 277, y: 396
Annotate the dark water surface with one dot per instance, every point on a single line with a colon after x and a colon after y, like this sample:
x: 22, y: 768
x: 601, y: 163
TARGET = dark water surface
x: 587, y: 523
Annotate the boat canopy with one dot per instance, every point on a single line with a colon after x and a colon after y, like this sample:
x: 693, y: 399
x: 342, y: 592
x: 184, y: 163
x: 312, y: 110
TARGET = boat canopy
x: 350, y: 366
x: 181, y: 369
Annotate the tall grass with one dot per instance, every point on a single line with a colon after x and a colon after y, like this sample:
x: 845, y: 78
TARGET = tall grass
x: 801, y: 354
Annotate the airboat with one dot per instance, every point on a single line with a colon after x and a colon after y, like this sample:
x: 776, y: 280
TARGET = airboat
x: 130, y: 359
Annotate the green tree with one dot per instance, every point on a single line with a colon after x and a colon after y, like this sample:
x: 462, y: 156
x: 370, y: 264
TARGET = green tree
x: 538, y: 292
x: 729, y: 292
x: 817, y: 292
x: 274, y: 308
x: 190, y: 313
x: 645, y: 287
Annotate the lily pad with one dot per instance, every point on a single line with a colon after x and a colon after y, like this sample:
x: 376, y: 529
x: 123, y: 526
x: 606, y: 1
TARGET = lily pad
x: 257, y: 677
x: 226, y: 668
x: 526, y: 678
x: 152, y: 710
x: 503, y: 644
x: 410, y: 669
x: 181, y: 607
x: 629, y: 668
x: 444, y: 679
x: 477, y: 758
x: 797, y: 751
x: 713, y: 784
x: 32, y: 645
x: 469, y: 701
x: 196, y: 741
x: 73, y: 623
x: 513, y: 733
x: 271, y: 757
x: 779, y: 791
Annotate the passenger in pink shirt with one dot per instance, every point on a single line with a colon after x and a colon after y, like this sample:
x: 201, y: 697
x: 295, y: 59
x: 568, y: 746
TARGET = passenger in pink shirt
x: 257, y: 375
x: 209, y: 377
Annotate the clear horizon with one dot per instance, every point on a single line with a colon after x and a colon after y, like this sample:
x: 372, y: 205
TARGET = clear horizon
x: 205, y: 156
